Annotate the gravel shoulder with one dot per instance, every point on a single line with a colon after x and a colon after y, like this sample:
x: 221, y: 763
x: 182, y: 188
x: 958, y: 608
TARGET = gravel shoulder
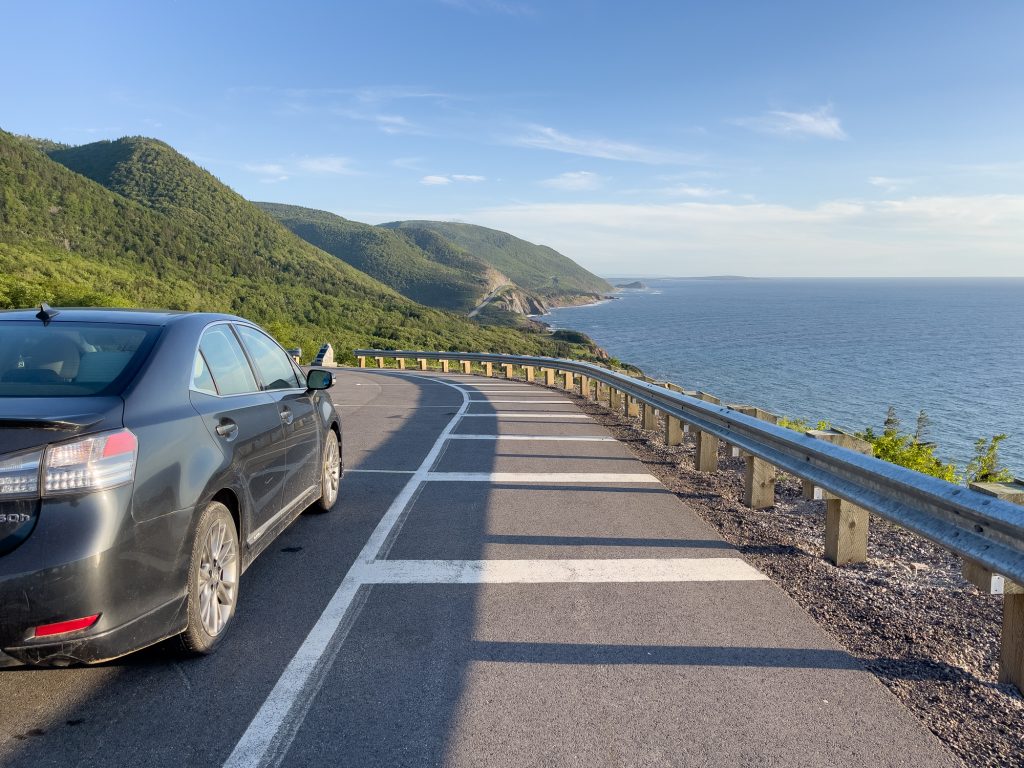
x: 907, y: 614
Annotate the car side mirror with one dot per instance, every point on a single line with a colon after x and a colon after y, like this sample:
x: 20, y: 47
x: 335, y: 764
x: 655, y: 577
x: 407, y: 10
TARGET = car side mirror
x: 318, y: 378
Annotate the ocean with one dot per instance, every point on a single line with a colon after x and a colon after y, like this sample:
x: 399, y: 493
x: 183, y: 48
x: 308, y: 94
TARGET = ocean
x: 843, y: 350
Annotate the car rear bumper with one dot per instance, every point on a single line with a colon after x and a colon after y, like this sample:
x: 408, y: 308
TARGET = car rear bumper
x: 88, y: 556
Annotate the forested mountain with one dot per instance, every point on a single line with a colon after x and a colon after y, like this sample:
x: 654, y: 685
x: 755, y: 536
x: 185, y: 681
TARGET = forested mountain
x: 536, y: 268
x: 133, y: 223
x: 419, y: 264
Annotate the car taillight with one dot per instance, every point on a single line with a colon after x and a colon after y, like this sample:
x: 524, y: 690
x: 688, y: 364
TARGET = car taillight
x: 92, y: 463
x: 19, y: 475
x: 62, y: 627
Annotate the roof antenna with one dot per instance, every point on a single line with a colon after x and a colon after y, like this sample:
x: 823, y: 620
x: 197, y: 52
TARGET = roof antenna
x: 46, y: 313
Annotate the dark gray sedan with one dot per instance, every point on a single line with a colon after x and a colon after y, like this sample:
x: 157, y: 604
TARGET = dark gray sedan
x: 146, y: 458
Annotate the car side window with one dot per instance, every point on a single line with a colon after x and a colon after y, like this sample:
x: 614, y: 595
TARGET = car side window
x: 272, y: 363
x: 228, y: 366
x: 202, y: 379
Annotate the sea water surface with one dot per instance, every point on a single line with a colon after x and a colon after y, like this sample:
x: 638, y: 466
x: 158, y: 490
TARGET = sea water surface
x: 843, y: 350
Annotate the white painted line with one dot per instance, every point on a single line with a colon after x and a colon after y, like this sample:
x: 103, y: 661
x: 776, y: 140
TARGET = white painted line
x: 552, y: 438
x: 551, y: 478
x: 620, y: 571
x: 271, y: 732
x: 531, y: 402
x: 524, y: 415
x: 385, y: 471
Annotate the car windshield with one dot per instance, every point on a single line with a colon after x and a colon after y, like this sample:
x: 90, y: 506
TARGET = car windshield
x: 70, y: 359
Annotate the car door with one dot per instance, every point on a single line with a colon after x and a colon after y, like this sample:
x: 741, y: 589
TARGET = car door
x: 296, y: 407
x: 245, y: 420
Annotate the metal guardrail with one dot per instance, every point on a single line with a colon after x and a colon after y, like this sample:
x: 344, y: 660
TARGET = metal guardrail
x: 971, y: 524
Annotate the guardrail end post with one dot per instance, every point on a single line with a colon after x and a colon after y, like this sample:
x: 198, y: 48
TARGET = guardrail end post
x: 401, y: 363
x: 529, y: 371
x: 650, y: 417
x: 467, y: 366
x: 362, y: 361
x: 422, y: 363
x: 673, y: 430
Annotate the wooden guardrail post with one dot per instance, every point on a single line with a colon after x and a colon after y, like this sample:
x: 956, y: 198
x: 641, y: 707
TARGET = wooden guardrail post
x: 528, y: 370
x: 467, y: 366
x: 569, y: 381
x: 759, y: 480
x: 422, y: 361
x: 585, y: 386
x: 508, y: 370
x: 362, y: 361
x: 488, y: 369
x: 444, y: 366
x: 614, y: 399
x: 650, y: 417
x: 379, y: 361
x: 1011, y: 650
x: 846, y: 524
x: 705, y: 457
x: 632, y: 406
x: 401, y: 363
x: 549, y: 376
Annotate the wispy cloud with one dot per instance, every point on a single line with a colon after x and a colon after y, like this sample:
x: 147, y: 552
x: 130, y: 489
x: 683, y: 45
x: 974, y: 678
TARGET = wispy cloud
x: 433, y: 181
x: 269, y: 172
x: 575, y: 181
x: 818, y: 123
x: 889, y: 183
x: 691, y: 190
x: 545, y: 137
x: 491, y: 6
x: 330, y: 164
x: 920, y: 236
x: 388, y: 123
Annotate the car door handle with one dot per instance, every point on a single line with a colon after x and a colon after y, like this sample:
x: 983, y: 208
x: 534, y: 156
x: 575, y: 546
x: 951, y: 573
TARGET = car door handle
x: 227, y: 429
x: 286, y: 415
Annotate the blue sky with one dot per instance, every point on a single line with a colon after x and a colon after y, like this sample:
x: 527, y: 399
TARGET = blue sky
x: 676, y: 138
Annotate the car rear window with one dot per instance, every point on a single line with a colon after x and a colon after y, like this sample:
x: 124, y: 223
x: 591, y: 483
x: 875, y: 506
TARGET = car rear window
x: 70, y: 359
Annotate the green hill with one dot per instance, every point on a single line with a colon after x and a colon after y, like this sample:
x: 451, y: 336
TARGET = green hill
x: 421, y: 265
x: 133, y: 223
x: 536, y: 268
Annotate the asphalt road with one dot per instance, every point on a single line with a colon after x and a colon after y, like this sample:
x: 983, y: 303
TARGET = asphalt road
x: 482, y: 597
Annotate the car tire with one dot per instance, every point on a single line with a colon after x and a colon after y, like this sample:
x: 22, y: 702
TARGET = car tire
x: 213, y: 578
x: 330, y: 473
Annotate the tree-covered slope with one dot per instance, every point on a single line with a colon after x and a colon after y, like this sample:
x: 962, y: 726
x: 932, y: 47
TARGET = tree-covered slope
x: 536, y: 268
x: 420, y: 265
x: 167, y: 234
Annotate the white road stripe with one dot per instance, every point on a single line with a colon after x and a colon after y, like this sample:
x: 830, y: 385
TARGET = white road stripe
x: 385, y: 471
x: 622, y: 571
x: 531, y: 402
x: 524, y: 414
x: 551, y: 478
x: 271, y: 732
x: 552, y: 438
